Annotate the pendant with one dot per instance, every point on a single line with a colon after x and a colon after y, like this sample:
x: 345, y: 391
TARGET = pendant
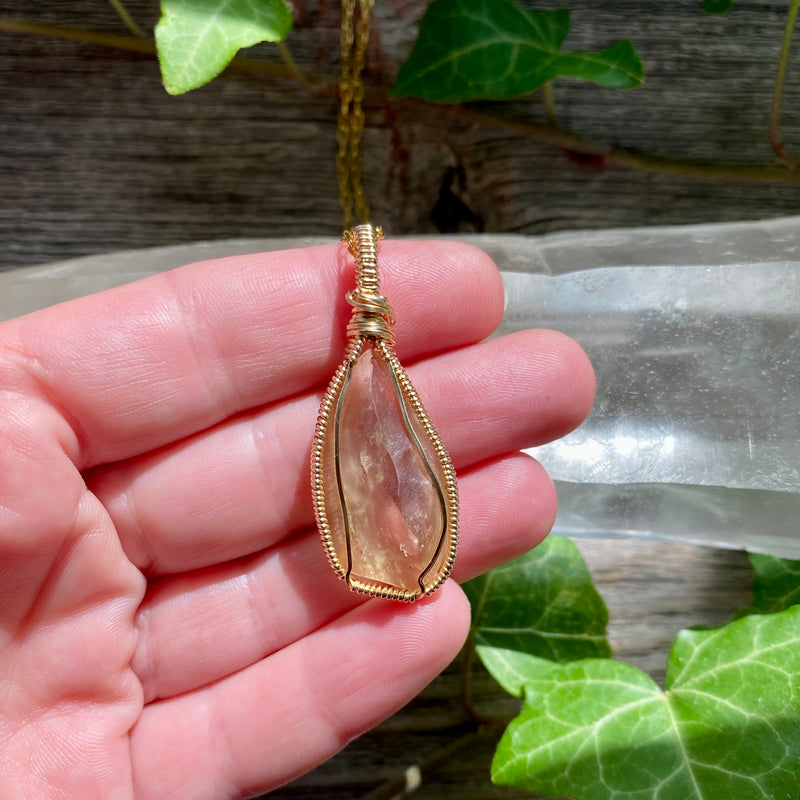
x: 384, y: 488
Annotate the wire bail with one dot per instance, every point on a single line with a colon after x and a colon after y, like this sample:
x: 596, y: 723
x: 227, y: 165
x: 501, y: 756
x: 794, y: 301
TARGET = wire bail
x: 372, y: 315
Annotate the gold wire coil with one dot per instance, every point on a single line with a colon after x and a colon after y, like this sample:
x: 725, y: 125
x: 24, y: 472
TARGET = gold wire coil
x: 372, y: 314
x: 372, y: 317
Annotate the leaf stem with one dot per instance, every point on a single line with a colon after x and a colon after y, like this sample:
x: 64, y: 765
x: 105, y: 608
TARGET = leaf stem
x: 777, y: 93
x: 289, y: 61
x: 147, y: 46
x: 624, y: 157
x: 128, y: 20
x: 552, y: 134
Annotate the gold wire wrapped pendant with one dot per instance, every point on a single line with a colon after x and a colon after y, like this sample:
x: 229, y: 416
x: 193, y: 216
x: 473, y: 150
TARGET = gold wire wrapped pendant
x: 385, y: 492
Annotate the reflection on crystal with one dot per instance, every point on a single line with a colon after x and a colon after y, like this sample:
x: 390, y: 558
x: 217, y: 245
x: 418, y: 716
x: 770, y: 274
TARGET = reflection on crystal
x: 633, y: 299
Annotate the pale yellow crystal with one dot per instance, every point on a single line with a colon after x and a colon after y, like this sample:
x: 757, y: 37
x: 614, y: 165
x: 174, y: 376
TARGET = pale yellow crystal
x: 388, y: 523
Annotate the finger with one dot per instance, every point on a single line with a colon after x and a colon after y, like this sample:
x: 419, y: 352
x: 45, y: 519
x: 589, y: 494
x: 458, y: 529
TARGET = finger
x: 243, y: 486
x: 254, y: 607
x: 145, y: 364
x: 275, y: 720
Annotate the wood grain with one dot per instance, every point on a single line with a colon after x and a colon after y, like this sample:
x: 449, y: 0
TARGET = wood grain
x: 652, y: 589
x: 94, y: 156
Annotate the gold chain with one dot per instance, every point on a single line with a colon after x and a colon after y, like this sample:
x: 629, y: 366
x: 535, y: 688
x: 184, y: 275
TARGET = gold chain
x: 350, y: 122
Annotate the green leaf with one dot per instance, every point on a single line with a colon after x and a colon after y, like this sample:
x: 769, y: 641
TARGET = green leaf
x: 776, y: 583
x: 618, y: 67
x: 717, y: 6
x: 496, y: 49
x: 543, y: 604
x: 514, y: 670
x: 196, y: 39
x: 727, y: 728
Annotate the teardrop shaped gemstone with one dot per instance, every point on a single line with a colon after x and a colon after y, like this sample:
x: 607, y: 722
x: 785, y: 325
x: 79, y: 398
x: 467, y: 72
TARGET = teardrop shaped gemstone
x: 386, y: 490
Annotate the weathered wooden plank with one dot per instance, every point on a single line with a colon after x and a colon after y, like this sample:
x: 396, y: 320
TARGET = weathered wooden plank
x: 652, y: 588
x: 94, y: 156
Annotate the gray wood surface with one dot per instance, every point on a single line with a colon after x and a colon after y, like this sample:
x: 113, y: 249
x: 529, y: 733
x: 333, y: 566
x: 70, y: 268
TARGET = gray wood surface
x: 94, y: 156
x: 652, y: 589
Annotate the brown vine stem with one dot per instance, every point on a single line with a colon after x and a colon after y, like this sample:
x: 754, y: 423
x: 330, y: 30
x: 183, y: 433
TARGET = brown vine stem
x: 605, y: 155
x: 147, y: 46
x: 130, y: 43
x: 601, y: 154
x: 777, y: 94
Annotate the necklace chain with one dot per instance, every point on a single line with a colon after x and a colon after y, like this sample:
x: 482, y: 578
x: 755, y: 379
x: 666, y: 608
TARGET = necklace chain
x: 350, y: 121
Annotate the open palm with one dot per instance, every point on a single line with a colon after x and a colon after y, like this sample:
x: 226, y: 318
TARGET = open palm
x: 170, y: 627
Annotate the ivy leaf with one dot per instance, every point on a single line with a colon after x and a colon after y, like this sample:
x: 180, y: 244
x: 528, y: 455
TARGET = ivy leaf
x: 717, y: 6
x: 542, y: 604
x: 196, y: 39
x: 728, y: 725
x: 776, y: 584
x: 496, y: 49
x: 514, y: 670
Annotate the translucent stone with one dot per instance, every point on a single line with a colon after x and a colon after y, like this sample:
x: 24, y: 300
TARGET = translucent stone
x: 388, y: 512
x: 701, y: 321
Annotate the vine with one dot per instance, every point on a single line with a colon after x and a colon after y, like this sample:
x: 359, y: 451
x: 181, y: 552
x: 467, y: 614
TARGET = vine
x: 590, y: 727
x: 429, y: 74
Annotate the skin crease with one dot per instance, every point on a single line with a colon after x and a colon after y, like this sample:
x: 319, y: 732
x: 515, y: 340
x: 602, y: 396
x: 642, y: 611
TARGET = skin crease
x: 169, y: 626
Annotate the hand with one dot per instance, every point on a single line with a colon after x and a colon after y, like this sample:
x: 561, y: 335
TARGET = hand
x: 170, y: 626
